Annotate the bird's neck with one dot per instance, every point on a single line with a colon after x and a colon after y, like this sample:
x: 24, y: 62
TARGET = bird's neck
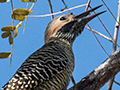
x: 60, y: 40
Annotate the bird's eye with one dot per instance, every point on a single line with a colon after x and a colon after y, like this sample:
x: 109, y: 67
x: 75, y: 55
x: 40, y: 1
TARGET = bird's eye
x: 63, y: 18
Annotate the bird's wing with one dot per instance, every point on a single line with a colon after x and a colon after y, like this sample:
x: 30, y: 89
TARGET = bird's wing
x: 42, y: 65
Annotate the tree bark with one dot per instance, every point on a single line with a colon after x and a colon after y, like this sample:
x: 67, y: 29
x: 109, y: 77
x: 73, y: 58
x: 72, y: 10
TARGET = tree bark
x: 99, y: 76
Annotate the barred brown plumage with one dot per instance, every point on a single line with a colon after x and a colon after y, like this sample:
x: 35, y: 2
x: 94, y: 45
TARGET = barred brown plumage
x: 51, y: 66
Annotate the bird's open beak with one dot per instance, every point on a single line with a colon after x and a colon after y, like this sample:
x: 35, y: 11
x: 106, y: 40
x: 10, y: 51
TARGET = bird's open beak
x: 86, y: 15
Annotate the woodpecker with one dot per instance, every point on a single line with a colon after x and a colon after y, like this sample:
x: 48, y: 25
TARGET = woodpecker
x: 51, y: 66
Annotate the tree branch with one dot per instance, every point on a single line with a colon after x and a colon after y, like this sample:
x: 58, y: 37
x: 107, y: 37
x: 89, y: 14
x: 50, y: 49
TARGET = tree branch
x: 110, y: 82
x: 51, y: 11
x: 98, y: 77
x: 107, y: 38
x: 65, y: 7
x: 57, y: 12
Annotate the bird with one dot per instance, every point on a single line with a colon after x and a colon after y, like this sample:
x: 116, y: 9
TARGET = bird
x: 51, y: 66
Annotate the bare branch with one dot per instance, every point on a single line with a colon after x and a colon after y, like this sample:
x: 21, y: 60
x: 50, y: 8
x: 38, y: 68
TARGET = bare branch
x: 99, y: 34
x: 98, y: 41
x: 11, y: 5
x: 95, y: 35
x: 32, y: 6
x: 117, y: 83
x: 65, y: 7
x: 110, y: 82
x: 57, y: 12
x: 51, y: 11
x: 109, y: 10
x: 73, y: 80
x: 99, y: 76
x: 25, y: 19
x: 12, y: 33
x: 88, y: 4
x: 116, y: 28
x: 103, y: 24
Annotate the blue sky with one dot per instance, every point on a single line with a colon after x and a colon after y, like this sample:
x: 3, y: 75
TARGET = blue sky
x: 87, y: 51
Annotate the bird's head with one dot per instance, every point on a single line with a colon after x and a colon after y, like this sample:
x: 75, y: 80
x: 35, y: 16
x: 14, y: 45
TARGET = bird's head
x: 68, y: 27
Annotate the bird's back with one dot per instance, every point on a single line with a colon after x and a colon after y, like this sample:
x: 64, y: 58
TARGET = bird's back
x: 49, y: 68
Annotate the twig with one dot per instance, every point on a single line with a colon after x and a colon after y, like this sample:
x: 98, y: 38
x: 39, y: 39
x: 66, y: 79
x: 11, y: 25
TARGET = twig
x: 116, y: 27
x: 111, y: 40
x: 11, y: 5
x: 98, y: 40
x: 99, y: 34
x: 12, y: 33
x: 88, y: 4
x: 105, y: 28
x: 25, y: 19
x: 65, y: 7
x: 102, y: 24
x: 110, y: 82
x: 117, y: 83
x: 109, y: 11
x: 94, y: 33
x: 73, y: 80
x: 32, y: 6
x: 57, y: 12
x: 51, y: 11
